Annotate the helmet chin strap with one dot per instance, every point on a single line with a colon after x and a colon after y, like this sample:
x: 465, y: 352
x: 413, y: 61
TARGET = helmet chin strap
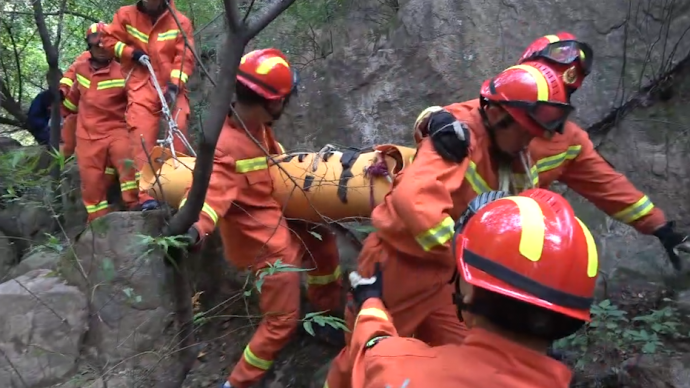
x: 507, y: 179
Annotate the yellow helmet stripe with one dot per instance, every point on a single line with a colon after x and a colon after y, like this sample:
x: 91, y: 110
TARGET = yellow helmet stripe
x: 539, y: 78
x: 533, y: 227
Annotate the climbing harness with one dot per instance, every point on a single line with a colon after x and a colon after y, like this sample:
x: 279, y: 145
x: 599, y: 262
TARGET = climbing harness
x: 173, y: 129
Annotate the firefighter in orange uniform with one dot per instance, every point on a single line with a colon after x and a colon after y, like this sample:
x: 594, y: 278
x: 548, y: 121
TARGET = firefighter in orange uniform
x: 254, y: 232
x: 516, y: 136
x: 147, y: 32
x: 540, y: 265
x: 69, y: 125
x: 68, y: 137
x: 99, y: 99
x: 565, y: 54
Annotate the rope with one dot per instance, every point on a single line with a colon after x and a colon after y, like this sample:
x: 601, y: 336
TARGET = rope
x: 173, y: 129
x: 377, y: 169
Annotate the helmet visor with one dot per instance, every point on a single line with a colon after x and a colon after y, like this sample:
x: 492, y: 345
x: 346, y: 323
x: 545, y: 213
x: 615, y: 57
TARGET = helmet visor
x: 568, y: 52
x: 551, y: 116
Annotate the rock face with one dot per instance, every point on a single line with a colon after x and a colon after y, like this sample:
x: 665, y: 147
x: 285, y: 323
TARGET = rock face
x: 131, y: 295
x: 42, y: 324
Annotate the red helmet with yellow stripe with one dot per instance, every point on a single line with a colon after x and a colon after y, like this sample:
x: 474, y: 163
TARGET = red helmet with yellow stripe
x: 93, y: 33
x: 533, y: 95
x: 267, y: 73
x: 570, y: 58
x: 540, y: 253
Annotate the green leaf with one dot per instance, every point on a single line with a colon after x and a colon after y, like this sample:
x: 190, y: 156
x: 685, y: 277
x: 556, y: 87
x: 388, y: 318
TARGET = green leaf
x: 108, y: 269
x: 308, y: 328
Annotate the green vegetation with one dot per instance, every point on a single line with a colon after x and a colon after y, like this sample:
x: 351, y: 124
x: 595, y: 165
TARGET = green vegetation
x: 612, y: 335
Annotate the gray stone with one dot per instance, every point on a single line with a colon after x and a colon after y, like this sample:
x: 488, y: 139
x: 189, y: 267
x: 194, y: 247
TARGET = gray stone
x: 39, y: 259
x: 41, y: 329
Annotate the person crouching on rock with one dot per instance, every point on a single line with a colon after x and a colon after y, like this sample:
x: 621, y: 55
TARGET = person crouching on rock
x: 519, y: 287
x: 99, y: 100
x: 252, y: 227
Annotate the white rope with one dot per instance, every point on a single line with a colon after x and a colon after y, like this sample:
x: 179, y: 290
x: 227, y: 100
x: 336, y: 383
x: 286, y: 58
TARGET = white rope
x: 173, y: 129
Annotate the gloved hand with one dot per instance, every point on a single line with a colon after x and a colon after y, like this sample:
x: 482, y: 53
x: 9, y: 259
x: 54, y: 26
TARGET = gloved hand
x: 140, y: 56
x: 171, y: 93
x: 673, y: 242
x: 451, y: 138
x: 365, y: 288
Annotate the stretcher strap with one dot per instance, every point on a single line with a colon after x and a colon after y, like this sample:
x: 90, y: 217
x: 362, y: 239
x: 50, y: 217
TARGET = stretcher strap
x: 378, y: 169
x: 347, y: 160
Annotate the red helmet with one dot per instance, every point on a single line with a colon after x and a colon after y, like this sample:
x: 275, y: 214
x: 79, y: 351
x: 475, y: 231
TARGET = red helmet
x: 96, y: 28
x: 539, y: 252
x: 268, y: 73
x: 569, y: 57
x: 533, y: 95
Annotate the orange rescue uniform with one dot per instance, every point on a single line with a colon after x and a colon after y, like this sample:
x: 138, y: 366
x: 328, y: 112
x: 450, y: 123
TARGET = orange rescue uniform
x: 69, y: 125
x: 255, y: 235
x: 68, y: 137
x: 415, y: 222
x: 132, y: 29
x: 487, y: 360
x: 99, y: 100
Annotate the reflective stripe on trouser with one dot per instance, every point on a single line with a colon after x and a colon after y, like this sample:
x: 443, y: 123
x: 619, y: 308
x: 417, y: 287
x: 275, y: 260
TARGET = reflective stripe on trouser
x: 92, y: 158
x: 321, y: 257
x: 279, y: 303
x: 143, y: 121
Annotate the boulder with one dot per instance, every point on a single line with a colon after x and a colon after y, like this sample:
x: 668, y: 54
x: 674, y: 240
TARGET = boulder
x: 8, y: 256
x: 132, y: 295
x: 40, y: 259
x: 42, y: 325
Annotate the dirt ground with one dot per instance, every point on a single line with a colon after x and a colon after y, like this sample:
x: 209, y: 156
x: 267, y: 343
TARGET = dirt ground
x: 224, y: 335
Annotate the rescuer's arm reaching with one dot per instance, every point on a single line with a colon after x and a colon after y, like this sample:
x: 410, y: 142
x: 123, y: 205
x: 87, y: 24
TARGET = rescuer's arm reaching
x: 595, y: 179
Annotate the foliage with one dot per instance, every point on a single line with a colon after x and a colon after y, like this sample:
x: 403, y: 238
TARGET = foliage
x: 611, y: 334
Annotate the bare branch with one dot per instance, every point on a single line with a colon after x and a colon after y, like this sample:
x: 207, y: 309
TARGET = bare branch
x: 17, y: 62
x: 14, y: 123
x: 232, y: 15
x: 61, y: 16
x: 8, y: 103
x: 249, y: 10
x: 65, y: 12
x: 53, y: 79
x: 258, y: 25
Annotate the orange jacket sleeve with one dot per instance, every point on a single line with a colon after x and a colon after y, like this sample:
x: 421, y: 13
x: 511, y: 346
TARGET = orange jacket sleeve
x: 222, y: 191
x: 594, y: 178
x: 71, y: 103
x: 115, y: 36
x: 422, y: 197
x: 69, y: 76
x: 386, y: 364
x: 183, y: 64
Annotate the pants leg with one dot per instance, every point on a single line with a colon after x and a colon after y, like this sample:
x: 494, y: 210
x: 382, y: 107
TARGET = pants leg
x: 261, y: 236
x: 91, y: 156
x: 442, y: 326
x: 320, y: 255
x: 69, y: 135
x: 142, y: 121
x: 279, y: 302
x: 120, y: 156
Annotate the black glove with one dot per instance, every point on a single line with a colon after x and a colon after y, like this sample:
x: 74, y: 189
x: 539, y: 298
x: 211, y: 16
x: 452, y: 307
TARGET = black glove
x: 672, y: 240
x: 451, y: 138
x: 365, y: 288
x: 171, y: 93
x: 138, y: 54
